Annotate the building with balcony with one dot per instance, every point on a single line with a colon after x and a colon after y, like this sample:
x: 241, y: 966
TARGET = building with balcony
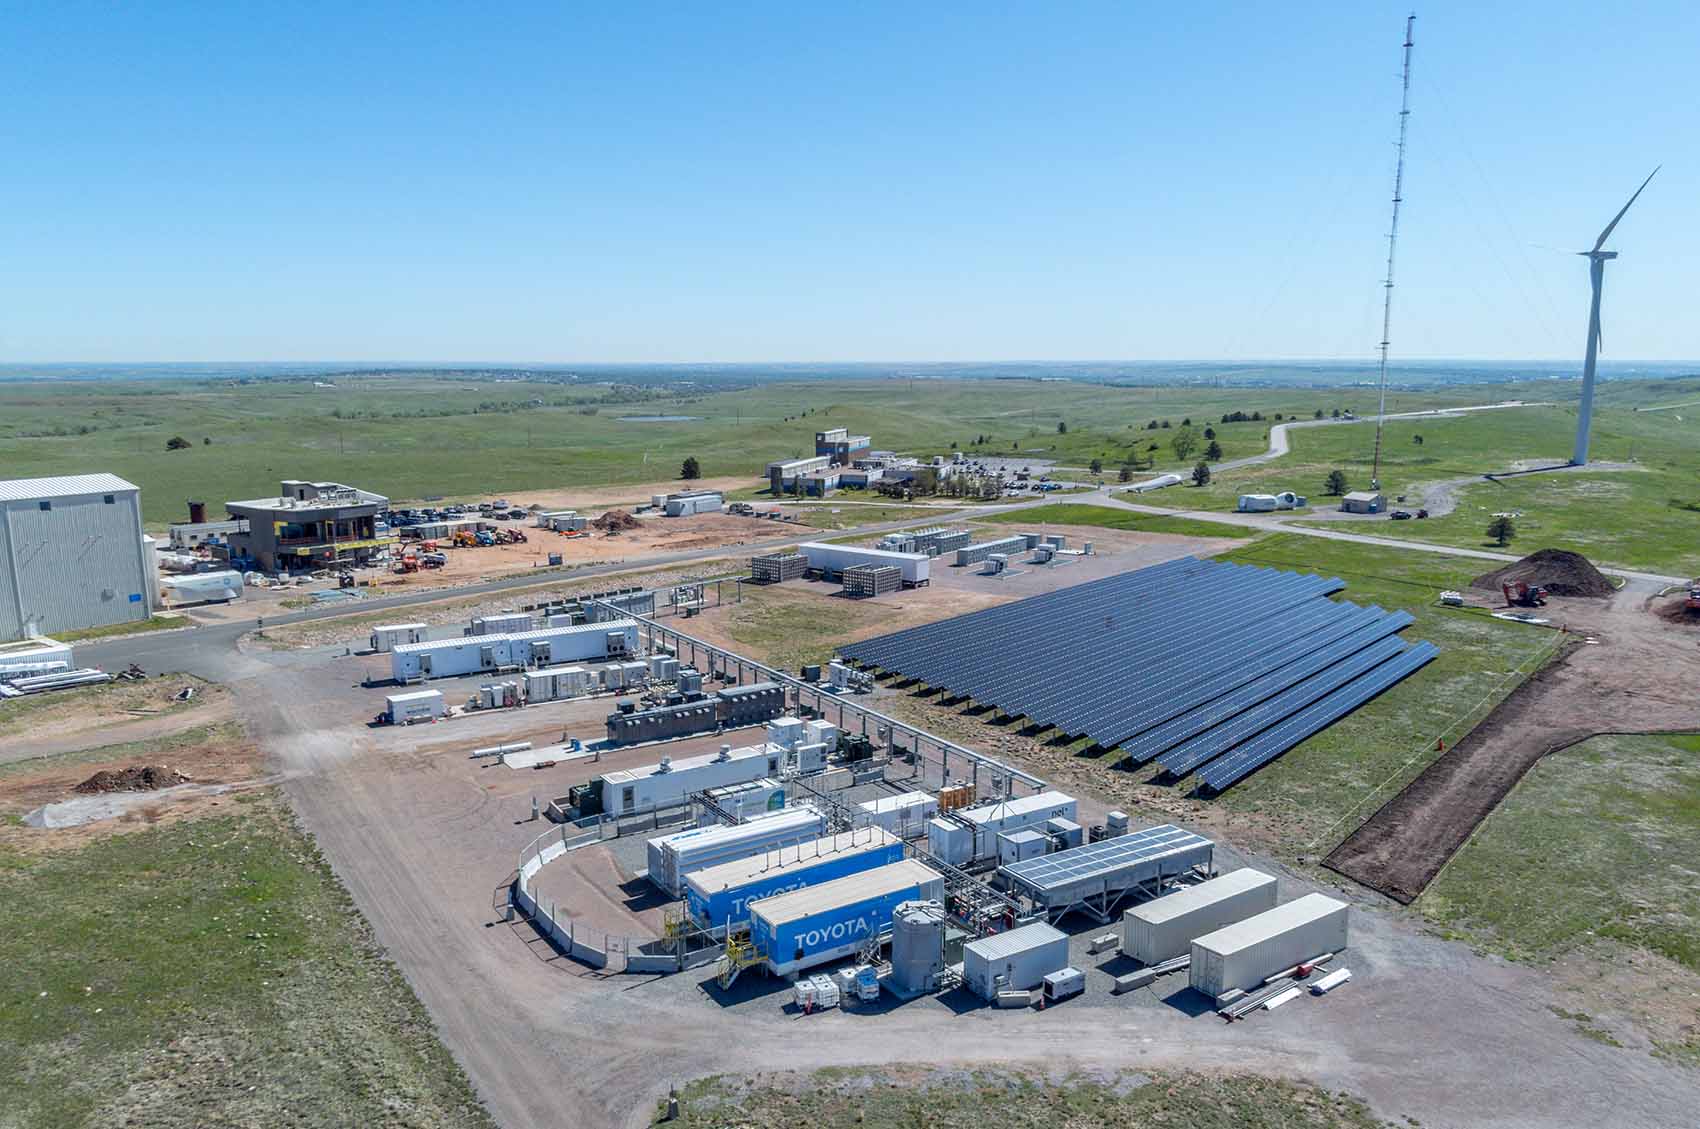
x: 310, y: 525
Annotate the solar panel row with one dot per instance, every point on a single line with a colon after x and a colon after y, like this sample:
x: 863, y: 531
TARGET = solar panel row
x: 1271, y: 744
x: 1180, y: 662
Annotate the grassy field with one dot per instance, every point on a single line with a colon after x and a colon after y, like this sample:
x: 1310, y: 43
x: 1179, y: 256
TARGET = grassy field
x: 1645, y: 517
x: 1315, y: 794
x: 851, y: 516
x: 787, y: 629
x: 1082, y: 513
x: 136, y: 627
x: 1596, y: 841
x: 1013, y: 1099
x: 207, y: 972
x: 416, y: 436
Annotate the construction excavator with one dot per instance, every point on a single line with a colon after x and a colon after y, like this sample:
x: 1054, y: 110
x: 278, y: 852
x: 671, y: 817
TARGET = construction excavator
x: 1522, y: 594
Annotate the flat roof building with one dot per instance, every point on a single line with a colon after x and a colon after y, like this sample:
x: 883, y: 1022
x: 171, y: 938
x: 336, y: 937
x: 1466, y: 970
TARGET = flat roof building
x: 309, y: 525
x: 71, y: 554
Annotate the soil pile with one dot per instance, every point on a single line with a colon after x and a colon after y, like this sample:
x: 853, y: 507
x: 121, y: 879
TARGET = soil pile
x: 136, y: 778
x: 615, y: 520
x: 1560, y: 572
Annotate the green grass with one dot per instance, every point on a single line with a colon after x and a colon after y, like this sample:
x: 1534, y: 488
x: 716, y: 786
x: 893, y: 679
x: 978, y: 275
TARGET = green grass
x: 1646, y: 518
x: 787, y: 628
x: 208, y: 972
x: 1078, y: 513
x: 455, y: 436
x: 152, y: 623
x: 1315, y: 793
x: 1596, y: 841
x: 1012, y: 1098
x: 849, y: 517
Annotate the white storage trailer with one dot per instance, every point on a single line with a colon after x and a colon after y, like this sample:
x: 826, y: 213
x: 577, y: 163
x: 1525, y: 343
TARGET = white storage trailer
x: 1010, y: 815
x: 822, y: 923
x: 474, y: 654
x: 668, y: 783
x: 391, y: 635
x: 744, y: 801
x: 502, y: 623
x: 672, y: 857
x: 903, y: 815
x: 834, y: 559
x: 1245, y: 954
x: 419, y: 705
x: 1014, y: 961
x: 1164, y: 927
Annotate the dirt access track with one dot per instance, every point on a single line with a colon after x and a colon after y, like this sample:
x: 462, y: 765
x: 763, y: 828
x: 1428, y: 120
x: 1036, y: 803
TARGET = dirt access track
x: 1624, y: 669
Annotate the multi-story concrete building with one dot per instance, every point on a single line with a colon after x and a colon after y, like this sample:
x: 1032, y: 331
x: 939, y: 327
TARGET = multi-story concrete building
x: 840, y: 446
x: 71, y: 554
x: 309, y: 525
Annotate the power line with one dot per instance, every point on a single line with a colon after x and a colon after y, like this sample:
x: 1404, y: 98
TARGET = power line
x: 1392, y: 244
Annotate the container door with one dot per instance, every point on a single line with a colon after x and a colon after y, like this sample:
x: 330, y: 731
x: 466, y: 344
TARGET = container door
x: 424, y: 664
x: 486, y: 657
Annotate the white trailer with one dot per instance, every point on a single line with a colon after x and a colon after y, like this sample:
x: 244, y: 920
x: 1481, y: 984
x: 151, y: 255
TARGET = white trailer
x: 834, y: 559
x: 387, y: 637
x: 202, y: 587
x: 1013, y: 815
x: 668, y: 783
x: 673, y: 857
x: 1247, y: 953
x: 474, y: 654
x: 502, y: 623
x: 556, y: 683
x: 418, y: 705
x: 1164, y: 928
x: 903, y: 815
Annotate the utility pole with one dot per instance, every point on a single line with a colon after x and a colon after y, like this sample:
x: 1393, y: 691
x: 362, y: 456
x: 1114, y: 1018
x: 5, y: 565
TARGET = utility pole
x: 1392, y: 243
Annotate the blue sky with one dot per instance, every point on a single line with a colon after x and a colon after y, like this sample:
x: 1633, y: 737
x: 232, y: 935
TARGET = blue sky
x: 696, y: 182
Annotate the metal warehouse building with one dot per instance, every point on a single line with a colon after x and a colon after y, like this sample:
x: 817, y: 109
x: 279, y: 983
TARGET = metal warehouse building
x: 71, y: 554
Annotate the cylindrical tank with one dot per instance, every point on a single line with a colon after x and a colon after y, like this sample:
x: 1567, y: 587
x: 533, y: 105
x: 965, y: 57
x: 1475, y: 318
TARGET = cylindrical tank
x: 917, y: 946
x: 197, y: 512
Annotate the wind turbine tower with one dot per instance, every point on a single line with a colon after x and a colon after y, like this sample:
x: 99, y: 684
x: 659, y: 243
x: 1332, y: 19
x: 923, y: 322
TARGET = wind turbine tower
x: 1597, y: 260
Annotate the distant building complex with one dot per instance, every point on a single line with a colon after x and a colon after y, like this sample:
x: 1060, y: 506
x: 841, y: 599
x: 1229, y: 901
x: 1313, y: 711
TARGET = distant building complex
x: 846, y: 461
x: 72, y: 555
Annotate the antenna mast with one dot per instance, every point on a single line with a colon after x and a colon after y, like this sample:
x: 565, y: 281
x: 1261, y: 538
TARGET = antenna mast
x: 1392, y: 243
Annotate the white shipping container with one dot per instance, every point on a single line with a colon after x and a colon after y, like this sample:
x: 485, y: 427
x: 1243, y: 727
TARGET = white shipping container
x: 1246, y: 953
x: 1164, y: 928
x: 387, y: 637
x: 1015, y: 846
x: 950, y: 841
x: 669, y: 782
x: 419, y: 705
x: 446, y: 658
x: 503, y: 623
x: 1014, y: 961
x: 672, y: 857
x: 836, y: 558
x: 744, y: 801
x: 904, y: 815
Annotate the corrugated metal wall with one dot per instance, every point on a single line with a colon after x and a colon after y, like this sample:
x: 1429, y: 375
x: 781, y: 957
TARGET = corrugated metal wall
x: 76, y: 565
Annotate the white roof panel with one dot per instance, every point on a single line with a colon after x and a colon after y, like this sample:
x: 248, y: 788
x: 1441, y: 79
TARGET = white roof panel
x: 852, y: 888
x: 61, y: 486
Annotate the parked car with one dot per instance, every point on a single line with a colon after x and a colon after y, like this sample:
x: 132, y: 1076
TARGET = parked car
x: 1400, y: 515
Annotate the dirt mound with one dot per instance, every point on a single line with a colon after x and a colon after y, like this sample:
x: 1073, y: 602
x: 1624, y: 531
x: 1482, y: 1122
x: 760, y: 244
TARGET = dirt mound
x: 136, y: 778
x: 615, y: 520
x: 1678, y: 612
x: 1560, y: 572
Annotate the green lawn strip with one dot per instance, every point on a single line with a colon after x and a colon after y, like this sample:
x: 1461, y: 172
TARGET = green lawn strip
x: 1078, y: 513
x: 1013, y: 1098
x: 135, y: 627
x: 207, y: 972
x: 1318, y: 791
x: 1597, y: 840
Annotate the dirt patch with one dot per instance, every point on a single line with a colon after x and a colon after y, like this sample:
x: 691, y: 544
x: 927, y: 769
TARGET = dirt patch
x: 84, y: 717
x: 136, y: 778
x: 615, y: 521
x: 1678, y: 612
x: 1621, y: 670
x: 1560, y: 572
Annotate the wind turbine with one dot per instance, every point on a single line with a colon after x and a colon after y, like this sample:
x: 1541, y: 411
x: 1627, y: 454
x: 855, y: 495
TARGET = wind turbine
x: 1596, y: 275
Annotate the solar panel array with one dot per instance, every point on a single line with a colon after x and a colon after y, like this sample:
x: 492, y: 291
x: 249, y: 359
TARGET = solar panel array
x: 1203, y: 666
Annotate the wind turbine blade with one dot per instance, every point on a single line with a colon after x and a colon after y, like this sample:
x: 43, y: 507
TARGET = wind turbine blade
x: 1606, y: 234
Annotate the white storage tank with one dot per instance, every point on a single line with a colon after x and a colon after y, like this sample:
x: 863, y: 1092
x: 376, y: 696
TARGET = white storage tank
x: 386, y: 638
x: 672, y: 857
x: 917, y: 946
x: 1014, y: 961
x: 1248, y: 952
x: 905, y: 815
x: 1164, y: 928
x: 419, y: 705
